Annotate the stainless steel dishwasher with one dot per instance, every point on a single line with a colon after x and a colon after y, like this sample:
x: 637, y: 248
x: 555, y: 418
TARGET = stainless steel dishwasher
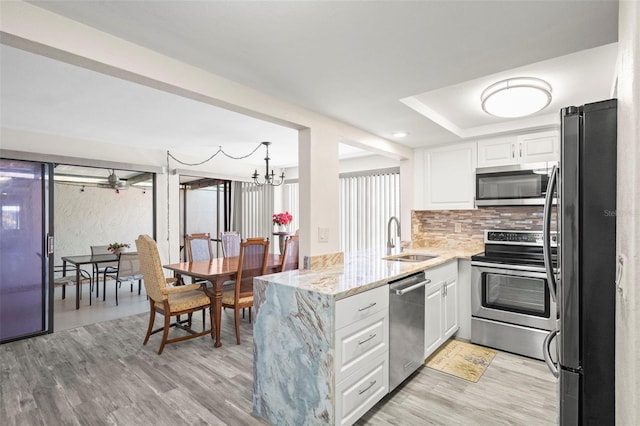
x: 406, y: 327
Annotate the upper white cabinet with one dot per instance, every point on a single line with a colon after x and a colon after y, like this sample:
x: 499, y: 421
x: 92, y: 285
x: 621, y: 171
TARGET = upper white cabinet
x: 445, y: 177
x: 528, y: 148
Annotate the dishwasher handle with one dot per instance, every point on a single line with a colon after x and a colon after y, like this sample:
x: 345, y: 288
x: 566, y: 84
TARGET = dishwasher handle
x: 405, y: 290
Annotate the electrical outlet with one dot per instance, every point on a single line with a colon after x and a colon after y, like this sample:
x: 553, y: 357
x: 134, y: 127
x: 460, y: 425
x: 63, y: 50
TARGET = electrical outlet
x: 457, y: 227
x: 323, y: 235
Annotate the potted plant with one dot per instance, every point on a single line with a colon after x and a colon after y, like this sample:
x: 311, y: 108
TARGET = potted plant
x: 282, y: 220
x: 117, y: 248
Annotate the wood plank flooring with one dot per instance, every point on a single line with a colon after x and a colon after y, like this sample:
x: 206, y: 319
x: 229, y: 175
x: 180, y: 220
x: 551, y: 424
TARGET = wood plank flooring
x: 101, y: 374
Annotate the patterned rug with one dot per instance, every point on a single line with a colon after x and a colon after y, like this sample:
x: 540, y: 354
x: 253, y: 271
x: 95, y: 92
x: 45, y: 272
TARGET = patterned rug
x: 461, y: 359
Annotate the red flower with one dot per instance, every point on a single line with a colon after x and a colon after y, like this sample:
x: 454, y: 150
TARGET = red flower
x: 282, y: 218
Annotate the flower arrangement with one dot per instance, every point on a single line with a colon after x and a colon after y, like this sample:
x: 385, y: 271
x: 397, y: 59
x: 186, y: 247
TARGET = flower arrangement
x: 282, y: 218
x: 116, y: 247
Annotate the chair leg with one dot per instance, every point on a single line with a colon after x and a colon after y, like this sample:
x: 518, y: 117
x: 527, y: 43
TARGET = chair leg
x: 204, y: 313
x: 117, y: 292
x: 152, y: 318
x: 104, y: 290
x: 139, y: 286
x: 249, y: 314
x: 64, y: 291
x: 236, y: 312
x: 165, y: 332
x: 213, y: 331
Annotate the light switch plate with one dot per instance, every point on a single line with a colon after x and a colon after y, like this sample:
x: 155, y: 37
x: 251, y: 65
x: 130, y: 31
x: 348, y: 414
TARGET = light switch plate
x: 457, y: 227
x: 323, y: 235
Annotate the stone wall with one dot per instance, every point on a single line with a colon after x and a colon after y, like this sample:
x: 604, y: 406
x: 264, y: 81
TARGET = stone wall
x: 437, y: 228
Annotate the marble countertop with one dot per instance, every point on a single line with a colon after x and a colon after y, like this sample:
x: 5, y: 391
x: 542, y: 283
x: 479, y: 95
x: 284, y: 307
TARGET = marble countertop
x: 366, y: 269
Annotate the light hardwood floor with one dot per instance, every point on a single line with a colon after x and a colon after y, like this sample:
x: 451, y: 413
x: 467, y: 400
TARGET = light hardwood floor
x: 101, y: 374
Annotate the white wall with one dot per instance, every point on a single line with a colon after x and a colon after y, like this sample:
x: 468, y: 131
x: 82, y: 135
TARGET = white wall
x: 98, y: 216
x: 628, y: 217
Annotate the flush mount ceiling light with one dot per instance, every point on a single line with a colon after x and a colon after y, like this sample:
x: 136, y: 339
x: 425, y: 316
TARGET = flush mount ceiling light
x: 516, y: 97
x: 400, y: 134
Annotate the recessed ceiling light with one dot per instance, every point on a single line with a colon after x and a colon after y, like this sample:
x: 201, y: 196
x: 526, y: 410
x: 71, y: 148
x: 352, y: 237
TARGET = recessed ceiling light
x: 516, y: 97
x: 400, y: 134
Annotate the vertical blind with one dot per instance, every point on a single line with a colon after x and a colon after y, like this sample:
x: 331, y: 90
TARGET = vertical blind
x: 253, y: 209
x: 367, y: 201
x: 290, y: 203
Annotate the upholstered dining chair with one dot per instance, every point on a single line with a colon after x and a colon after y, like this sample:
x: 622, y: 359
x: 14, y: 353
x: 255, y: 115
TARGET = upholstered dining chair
x: 103, y: 268
x: 252, y: 262
x: 169, y: 301
x: 128, y: 271
x: 198, y: 247
x: 230, y: 243
x: 290, y: 255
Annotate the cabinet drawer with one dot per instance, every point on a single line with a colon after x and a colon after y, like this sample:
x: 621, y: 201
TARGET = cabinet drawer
x: 442, y: 272
x: 360, y: 342
x: 362, y: 305
x: 359, y: 392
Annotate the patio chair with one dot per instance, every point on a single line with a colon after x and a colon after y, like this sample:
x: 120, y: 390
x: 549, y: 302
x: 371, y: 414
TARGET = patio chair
x: 128, y: 271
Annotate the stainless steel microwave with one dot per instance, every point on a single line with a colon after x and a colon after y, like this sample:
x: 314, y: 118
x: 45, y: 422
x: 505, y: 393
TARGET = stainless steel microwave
x: 515, y: 185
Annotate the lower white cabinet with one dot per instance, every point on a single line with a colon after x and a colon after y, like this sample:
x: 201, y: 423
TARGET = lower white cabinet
x: 441, y: 306
x: 361, y: 369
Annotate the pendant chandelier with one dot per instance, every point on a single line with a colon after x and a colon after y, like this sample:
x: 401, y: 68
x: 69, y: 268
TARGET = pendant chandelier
x: 269, y: 178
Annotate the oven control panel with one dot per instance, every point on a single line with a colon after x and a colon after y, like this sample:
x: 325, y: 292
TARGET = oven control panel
x: 533, y: 238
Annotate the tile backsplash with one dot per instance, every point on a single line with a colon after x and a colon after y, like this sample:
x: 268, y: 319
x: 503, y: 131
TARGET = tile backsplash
x: 438, y: 227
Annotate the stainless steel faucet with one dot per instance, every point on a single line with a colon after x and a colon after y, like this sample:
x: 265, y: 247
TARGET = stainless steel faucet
x: 390, y: 242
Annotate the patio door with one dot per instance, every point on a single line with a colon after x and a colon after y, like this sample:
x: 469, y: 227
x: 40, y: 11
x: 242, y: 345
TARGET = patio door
x: 25, y: 271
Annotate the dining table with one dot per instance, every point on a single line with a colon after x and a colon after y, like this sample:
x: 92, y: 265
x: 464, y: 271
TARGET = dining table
x: 216, y: 271
x: 86, y: 259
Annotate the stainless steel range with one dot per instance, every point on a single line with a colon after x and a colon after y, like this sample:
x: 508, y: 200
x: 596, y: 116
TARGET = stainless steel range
x: 511, y: 306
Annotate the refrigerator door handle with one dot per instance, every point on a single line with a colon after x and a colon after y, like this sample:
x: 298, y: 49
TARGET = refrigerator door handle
x: 546, y: 232
x: 546, y: 352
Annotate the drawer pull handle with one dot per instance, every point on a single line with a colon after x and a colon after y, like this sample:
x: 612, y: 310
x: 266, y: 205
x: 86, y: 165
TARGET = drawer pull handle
x: 367, y: 339
x: 360, y: 392
x: 367, y: 307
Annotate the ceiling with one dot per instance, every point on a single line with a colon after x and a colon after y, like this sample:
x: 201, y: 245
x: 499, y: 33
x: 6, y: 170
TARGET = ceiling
x: 381, y: 66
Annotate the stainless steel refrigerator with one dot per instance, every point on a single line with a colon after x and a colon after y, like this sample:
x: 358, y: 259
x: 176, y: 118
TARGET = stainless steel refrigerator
x: 583, y: 281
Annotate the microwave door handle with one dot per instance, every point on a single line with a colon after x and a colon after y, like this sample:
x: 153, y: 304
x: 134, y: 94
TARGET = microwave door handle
x: 546, y: 232
x: 546, y: 352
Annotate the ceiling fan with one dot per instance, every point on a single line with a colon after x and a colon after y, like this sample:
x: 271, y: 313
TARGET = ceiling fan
x: 114, y: 182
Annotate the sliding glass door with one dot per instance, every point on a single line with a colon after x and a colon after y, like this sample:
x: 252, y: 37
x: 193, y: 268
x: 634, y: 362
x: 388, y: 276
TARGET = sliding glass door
x: 25, y: 299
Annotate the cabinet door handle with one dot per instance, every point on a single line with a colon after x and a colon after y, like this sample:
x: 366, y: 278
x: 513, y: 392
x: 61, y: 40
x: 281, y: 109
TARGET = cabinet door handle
x: 367, y: 307
x: 521, y: 149
x: 360, y: 342
x: 513, y: 151
x: 373, y: 382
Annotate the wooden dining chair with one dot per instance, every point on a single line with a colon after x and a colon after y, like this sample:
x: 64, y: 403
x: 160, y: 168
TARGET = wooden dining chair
x: 199, y: 247
x: 169, y: 301
x: 290, y: 256
x: 230, y: 243
x: 252, y: 262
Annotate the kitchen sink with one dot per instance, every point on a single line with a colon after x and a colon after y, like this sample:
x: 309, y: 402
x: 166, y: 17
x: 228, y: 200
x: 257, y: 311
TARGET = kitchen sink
x: 410, y: 258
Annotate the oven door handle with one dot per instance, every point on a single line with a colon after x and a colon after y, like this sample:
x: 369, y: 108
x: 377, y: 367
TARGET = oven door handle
x: 546, y: 352
x: 546, y: 232
x: 503, y: 267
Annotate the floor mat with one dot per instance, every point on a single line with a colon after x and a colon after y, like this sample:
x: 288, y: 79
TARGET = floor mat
x: 461, y: 359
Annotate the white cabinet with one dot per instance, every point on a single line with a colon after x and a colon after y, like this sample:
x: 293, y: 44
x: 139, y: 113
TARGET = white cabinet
x: 361, y: 369
x: 441, y: 306
x: 445, y: 177
x: 539, y: 147
x: 464, y: 299
x: 519, y: 149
